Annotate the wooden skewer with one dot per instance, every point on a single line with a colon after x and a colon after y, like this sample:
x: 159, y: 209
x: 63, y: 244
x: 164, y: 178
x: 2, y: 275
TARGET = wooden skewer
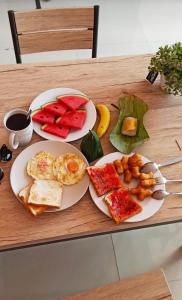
x: 115, y: 106
x: 178, y: 145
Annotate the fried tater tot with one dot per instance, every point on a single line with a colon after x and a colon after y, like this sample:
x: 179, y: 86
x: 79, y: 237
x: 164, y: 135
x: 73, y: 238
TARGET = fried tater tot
x: 118, y: 166
x: 141, y: 192
x: 133, y: 160
x: 140, y: 163
x: 144, y: 193
x: 144, y: 176
x: 148, y: 182
x: 134, y: 191
x: 124, y: 162
x: 127, y: 176
x: 135, y: 171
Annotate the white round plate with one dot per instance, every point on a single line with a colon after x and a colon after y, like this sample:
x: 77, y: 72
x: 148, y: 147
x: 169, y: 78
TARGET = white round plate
x: 150, y: 206
x: 20, y: 179
x: 50, y: 95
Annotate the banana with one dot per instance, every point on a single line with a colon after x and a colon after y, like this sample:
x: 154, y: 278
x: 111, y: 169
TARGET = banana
x: 104, y: 122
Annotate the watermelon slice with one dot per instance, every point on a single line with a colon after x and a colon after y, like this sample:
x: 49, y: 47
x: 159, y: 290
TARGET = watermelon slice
x: 56, y: 108
x: 72, y: 119
x: 56, y: 130
x: 73, y: 101
x: 43, y: 117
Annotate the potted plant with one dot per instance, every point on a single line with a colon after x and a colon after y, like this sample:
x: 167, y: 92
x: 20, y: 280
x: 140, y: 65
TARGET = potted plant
x: 168, y: 62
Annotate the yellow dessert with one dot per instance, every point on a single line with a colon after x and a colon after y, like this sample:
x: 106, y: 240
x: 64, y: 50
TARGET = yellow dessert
x: 129, y: 126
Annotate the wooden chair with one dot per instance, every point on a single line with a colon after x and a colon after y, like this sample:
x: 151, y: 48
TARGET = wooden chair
x: 43, y: 30
x: 148, y: 286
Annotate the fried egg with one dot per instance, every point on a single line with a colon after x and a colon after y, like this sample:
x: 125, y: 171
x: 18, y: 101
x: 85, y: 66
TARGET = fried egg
x: 41, y: 166
x: 69, y: 169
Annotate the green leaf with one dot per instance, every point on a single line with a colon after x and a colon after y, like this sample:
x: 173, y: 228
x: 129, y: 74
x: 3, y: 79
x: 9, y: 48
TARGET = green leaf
x: 168, y: 61
x: 91, y: 147
x: 130, y: 106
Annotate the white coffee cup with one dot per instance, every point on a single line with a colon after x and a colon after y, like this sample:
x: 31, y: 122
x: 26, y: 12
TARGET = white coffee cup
x: 18, y: 137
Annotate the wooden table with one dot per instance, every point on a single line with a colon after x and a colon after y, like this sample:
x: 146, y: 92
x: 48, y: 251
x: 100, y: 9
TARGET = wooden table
x: 147, y: 286
x: 103, y: 80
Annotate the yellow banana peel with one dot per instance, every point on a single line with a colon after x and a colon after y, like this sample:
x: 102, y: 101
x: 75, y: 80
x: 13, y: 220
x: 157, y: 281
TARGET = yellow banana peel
x: 104, y: 122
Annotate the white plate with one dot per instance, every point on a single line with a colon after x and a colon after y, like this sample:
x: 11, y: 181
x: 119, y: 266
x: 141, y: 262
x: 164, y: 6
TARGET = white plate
x: 150, y: 206
x: 50, y: 95
x: 20, y: 179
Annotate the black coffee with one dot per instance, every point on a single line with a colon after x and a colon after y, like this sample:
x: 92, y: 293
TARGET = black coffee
x: 17, y: 122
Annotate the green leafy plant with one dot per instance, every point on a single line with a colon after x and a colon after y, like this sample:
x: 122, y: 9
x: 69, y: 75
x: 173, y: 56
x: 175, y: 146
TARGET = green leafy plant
x: 129, y: 106
x: 168, y: 62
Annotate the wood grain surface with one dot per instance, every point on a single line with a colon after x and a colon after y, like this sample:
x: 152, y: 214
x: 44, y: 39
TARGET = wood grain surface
x: 55, y: 40
x: 55, y: 29
x: 148, y: 286
x: 54, y: 19
x: 103, y: 80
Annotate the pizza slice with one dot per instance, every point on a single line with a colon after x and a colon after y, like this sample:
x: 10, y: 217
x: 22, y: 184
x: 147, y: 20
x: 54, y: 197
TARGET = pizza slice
x: 104, y: 178
x: 121, y: 205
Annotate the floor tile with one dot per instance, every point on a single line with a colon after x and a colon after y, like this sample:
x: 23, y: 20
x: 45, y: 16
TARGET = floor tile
x: 144, y: 250
x: 51, y: 271
x: 176, y: 289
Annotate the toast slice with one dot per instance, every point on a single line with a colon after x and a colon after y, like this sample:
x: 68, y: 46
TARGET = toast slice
x: 121, y: 205
x: 46, y: 193
x: 104, y: 178
x: 34, y: 209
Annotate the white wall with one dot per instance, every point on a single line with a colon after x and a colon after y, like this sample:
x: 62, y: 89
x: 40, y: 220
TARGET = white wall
x: 126, y: 26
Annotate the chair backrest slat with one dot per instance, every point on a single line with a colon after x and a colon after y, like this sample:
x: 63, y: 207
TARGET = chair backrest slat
x: 57, y: 40
x: 43, y: 30
x: 54, y: 19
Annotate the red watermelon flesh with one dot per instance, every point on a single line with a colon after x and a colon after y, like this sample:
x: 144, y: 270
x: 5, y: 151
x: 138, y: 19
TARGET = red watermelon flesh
x: 43, y: 117
x: 56, y: 130
x: 56, y: 108
x: 73, y: 101
x: 72, y: 119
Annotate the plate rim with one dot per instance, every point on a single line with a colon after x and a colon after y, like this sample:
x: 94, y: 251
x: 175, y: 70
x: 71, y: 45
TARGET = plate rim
x: 91, y: 188
x: 50, y: 137
x: 41, y: 142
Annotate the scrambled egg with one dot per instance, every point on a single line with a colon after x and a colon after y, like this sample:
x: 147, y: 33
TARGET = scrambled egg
x: 69, y: 169
x: 41, y: 166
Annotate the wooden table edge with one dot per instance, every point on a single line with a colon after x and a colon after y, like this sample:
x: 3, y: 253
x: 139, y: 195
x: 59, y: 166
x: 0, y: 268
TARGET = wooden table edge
x: 58, y: 63
x: 72, y: 237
